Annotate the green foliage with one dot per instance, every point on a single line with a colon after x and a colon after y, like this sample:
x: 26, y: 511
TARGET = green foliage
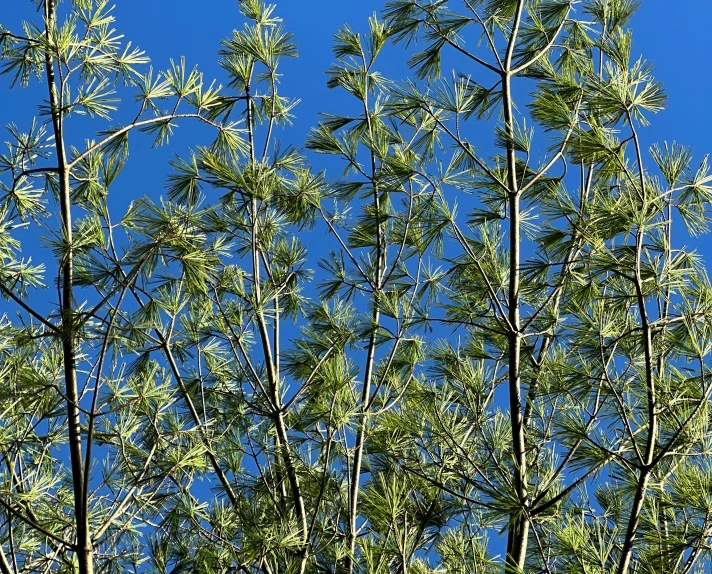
x: 498, y: 362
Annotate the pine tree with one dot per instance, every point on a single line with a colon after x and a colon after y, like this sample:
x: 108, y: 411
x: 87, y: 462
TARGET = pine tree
x: 496, y: 361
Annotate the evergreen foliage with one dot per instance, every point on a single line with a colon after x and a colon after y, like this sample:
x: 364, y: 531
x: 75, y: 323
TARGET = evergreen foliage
x: 499, y: 364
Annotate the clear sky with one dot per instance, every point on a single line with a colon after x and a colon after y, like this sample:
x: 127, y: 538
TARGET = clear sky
x: 672, y: 34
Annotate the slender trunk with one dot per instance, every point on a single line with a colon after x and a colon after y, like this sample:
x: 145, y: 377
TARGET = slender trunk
x: 635, y: 512
x: 272, y: 358
x: 361, y: 431
x: 518, y: 532
x: 650, y: 387
x: 666, y: 557
x: 360, y: 440
x: 83, y: 546
x: 648, y: 463
x: 371, y: 353
x: 519, y: 527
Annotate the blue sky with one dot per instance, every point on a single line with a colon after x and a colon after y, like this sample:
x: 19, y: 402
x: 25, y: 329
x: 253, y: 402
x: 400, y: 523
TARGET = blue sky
x: 673, y: 35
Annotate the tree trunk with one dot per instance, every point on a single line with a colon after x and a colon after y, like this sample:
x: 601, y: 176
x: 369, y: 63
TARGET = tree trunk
x: 83, y: 547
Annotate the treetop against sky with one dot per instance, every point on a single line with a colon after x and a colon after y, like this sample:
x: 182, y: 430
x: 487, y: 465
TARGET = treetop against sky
x: 670, y: 34
x: 409, y: 287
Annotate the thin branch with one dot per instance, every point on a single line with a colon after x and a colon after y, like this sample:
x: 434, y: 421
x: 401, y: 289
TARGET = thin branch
x: 139, y: 124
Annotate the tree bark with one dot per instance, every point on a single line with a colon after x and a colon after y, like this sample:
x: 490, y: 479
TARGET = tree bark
x: 83, y: 546
x: 518, y: 533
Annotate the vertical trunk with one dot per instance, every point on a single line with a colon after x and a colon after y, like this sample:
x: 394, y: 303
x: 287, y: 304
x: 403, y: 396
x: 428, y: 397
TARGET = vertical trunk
x: 650, y: 387
x: 371, y: 353
x: 83, y: 547
x: 635, y: 511
x: 518, y: 532
x: 360, y: 440
x: 649, y: 456
x: 519, y: 527
x: 272, y: 358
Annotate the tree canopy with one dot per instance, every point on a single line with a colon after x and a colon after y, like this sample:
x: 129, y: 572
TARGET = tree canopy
x: 472, y: 343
